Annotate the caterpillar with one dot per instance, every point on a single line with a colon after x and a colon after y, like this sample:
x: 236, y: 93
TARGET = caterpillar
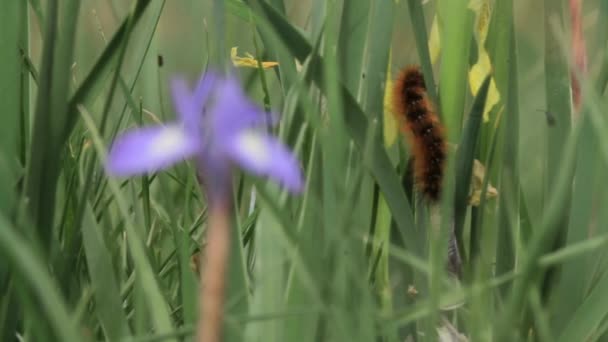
x: 417, y: 118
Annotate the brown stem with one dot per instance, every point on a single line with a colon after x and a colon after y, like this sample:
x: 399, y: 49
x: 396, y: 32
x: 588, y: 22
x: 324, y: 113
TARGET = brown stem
x: 213, y: 275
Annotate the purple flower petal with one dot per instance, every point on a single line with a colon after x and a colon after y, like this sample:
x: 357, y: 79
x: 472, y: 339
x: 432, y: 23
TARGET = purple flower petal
x: 204, y: 86
x: 190, y: 104
x: 232, y: 111
x: 264, y: 155
x: 150, y: 149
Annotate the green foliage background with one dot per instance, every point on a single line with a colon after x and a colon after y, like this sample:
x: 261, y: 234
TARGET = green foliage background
x: 358, y: 256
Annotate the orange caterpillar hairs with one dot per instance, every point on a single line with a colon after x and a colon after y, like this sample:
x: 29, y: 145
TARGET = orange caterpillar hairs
x: 416, y: 116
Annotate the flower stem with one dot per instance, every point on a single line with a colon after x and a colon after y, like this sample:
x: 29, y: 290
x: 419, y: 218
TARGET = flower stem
x: 213, y: 275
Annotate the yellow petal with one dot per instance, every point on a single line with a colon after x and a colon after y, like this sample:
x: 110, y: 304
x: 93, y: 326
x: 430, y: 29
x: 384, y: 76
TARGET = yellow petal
x: 477, y: 75
x: 479, y: 172
x: 390, y: 128
x: 483, y: 21
x: 483, y: 67
x: 249, y: 61
x: 434, y: 41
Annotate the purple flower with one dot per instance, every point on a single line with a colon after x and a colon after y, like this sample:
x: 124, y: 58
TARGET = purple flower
x: 219, y: 126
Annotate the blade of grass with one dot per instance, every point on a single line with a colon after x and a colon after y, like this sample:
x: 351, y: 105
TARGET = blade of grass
x: 547, y: 232
x: 92, y: 84
x: 378, y: 163
x: 14, y: 96
x: 354, y: 25
x: 557, y: 89
x: 589, y: 315
x: 570, y: 291
x: 376, y: 56
x: 420, y: 33
x: 103, y: 281
x: 154, y: 299
x: 50, y: 116
x: 464, y: 162
x: 457, y: 29
x: 509, y: 196
x: 34, y: 277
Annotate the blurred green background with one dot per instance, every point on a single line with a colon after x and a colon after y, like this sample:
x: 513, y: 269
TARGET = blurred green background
x: 359, y: 255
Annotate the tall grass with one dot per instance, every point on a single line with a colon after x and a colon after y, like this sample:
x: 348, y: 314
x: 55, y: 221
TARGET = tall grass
x: 358, y: 256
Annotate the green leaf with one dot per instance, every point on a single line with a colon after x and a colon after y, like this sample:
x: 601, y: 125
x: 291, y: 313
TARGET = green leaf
x: 509, y: 196
x: 155, y: 302
x: 50, y: 116
x: 558, y: 97
x: 457, y: 27
x: 589, y: 315
x: 357, y: 124
x: 14, y: 97
x: 422, y: 44
x: 103, y: 280
x: 353, y: 26
x: 464, y: 161
x: 34, y: 280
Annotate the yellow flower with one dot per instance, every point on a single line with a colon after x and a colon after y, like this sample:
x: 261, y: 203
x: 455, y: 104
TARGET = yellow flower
x: 248, y: 61
x: 483, y: 67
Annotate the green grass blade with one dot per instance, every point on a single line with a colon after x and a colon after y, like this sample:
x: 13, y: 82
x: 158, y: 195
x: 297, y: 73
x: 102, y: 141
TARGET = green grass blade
x: 464, y: 161
x: 557, y: 89
x: 353, y: 26
x: 589, y: 315
x: 509, y: 196
x: 92, y: 82
x: 375, y: 59
x: 547, y: 232
x: 422, y: 44
x: 104, y: 283
x: 50, y: 116
x: 14, y: 97
x: 570, y: 291
x: 155, y: 302
x: 34, y: 277
x: 357, y: 124
x: 457, y: 29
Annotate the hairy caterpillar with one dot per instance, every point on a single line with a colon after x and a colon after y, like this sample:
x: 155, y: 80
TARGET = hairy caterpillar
x: 417, y: 118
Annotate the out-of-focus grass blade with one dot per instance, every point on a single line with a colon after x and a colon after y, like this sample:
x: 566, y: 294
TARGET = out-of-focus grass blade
x: 557, y: 89
x: 509, y: 196
x: 575, y: 273
x: 151, y: 291
x: 14, y: 95
x: 371, y: 80
x: 377, y: 49
x: 383, y: 286
x: 354, y: 24
x: 589, y: 315
x: 481, y: 241
x: 105, y: 286
x: 92, y: 82
x: 238, y: 8
x: 269, y: 265
x: 602, y: 78
x: 33, y: 276
x: 422, y: 41
x: 548, y: 230
x: 35, y: 4
x: 357, y: 123
x: 464, y: 162
x: 455, y: 45
x: 50, y: 117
